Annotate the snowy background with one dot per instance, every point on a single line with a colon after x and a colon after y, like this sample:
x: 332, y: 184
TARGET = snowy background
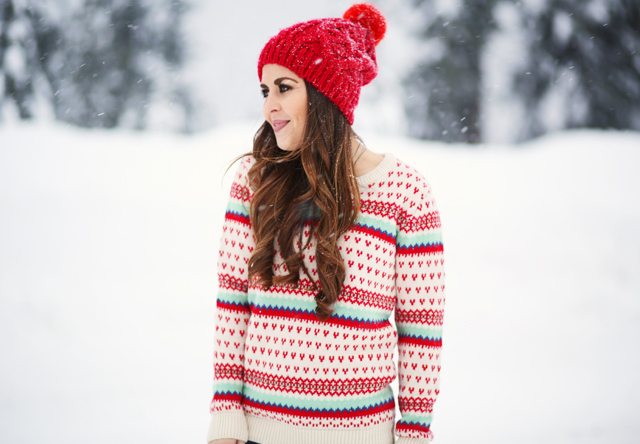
x: 109, y: 242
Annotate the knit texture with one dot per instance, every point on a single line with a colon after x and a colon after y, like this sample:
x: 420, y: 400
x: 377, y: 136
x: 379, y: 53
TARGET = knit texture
x: 337, y: 56
x: 281, y: 375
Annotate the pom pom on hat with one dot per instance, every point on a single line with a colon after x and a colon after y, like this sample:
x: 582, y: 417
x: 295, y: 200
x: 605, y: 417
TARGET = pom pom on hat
x: 369, y: 17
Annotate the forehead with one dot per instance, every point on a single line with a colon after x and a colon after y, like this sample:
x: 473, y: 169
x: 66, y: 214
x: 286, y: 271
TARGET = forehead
x: 272, y: 71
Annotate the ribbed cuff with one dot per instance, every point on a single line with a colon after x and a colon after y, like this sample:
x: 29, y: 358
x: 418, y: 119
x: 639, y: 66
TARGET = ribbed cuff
x: 405, y: 440
x: 228, y: 424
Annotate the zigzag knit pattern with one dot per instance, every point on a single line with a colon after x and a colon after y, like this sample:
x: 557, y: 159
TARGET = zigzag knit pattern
x: 281, y: 375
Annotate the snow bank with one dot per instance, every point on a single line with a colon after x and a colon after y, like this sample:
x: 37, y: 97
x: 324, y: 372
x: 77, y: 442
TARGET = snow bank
x: 108, y: 249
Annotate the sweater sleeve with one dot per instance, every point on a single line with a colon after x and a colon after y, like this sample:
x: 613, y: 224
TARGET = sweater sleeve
x: 419, y: 313
x: 232, y: 312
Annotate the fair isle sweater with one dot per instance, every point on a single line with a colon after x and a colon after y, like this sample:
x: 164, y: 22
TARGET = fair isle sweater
x: 283, y: 376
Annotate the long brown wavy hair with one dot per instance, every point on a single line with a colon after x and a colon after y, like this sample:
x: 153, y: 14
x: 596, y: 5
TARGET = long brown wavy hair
x: 314, y: 184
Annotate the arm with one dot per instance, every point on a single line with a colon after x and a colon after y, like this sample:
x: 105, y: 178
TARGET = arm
x: 232, y: 313
x: 419, y: 313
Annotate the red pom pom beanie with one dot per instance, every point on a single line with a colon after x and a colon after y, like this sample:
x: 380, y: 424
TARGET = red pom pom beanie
x: 335, y: 55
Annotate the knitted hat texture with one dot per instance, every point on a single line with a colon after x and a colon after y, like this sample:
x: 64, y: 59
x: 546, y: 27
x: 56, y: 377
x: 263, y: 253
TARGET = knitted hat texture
x: 335, y: 55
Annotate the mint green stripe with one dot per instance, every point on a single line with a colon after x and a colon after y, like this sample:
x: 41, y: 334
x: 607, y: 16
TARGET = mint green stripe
x: 227, y: 386
x: 341, y: 308
x: 428, y: 332
x: 237, y: 207
x: 426, y: 419
x: 296, y: 400
x: 348, y: 310
x: 261, y: 298
x: 424, y: 237
x: 226, y: 296
x: 378, y: 223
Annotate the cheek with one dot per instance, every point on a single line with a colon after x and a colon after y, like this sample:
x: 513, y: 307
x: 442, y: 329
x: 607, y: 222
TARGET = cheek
x: 301, y: 112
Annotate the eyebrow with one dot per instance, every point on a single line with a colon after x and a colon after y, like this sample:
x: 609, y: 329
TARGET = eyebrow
x: 278, y: 81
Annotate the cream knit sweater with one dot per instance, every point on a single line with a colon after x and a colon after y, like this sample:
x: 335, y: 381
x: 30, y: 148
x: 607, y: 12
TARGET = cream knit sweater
x: 281, y: 376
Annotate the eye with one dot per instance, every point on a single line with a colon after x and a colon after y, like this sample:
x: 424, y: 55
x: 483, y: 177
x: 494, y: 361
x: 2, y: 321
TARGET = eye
x: 265, y: 92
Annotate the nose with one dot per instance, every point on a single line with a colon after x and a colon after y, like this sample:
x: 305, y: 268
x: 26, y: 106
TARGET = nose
x: 272, y: 103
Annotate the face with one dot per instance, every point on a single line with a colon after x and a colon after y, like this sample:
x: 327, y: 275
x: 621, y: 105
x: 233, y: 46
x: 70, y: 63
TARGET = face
x: 285, y: 104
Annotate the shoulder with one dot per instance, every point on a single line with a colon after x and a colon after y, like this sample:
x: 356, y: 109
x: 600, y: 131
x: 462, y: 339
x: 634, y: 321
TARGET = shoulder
x: 240, y: 187
x: 416, y: 194
x: 243, y: 165
x: 246, y: 162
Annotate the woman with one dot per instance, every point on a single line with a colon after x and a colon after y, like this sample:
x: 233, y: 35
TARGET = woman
x: 322, y: 240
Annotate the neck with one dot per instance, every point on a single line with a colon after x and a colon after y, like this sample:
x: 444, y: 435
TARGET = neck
x: 357, y: 150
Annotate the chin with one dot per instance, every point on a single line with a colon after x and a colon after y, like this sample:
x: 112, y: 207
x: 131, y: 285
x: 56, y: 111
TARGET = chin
x: 284, y: 147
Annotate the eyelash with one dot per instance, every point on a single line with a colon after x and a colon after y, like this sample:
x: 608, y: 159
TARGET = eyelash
x: 281, y: 86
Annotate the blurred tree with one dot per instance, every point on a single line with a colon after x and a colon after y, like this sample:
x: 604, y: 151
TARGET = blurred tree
x: 444, y: 87
x: 18, y: 57
x: 596, y: 44
x: 105, y: 62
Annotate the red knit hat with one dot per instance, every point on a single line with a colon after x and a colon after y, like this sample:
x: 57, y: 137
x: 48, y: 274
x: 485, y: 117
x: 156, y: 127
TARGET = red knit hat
x: 336, y: 55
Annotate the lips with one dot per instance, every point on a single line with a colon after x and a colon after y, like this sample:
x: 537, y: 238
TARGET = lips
x: 279, y: 124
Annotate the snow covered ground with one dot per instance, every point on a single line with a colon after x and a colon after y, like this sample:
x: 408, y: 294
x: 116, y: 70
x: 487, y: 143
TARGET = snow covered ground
x: 108, y: 245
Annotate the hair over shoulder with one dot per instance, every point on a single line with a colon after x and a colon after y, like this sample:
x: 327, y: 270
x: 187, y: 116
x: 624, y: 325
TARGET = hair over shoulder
x: 312, y: 187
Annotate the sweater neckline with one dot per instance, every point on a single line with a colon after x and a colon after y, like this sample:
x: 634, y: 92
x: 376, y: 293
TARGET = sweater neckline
x: 383, y: 167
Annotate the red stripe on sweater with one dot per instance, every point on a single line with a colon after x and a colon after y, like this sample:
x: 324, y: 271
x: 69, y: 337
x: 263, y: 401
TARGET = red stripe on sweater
x: 322, y: 413
x: 235, y: 396
x: 241, y: 218
x: 419, y: 249
x: 401, y: 426
x: 311, y: 316
x: 238, y: 308
x: 387, y: 237
x: 317, y: 386
x: 402, y: 340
